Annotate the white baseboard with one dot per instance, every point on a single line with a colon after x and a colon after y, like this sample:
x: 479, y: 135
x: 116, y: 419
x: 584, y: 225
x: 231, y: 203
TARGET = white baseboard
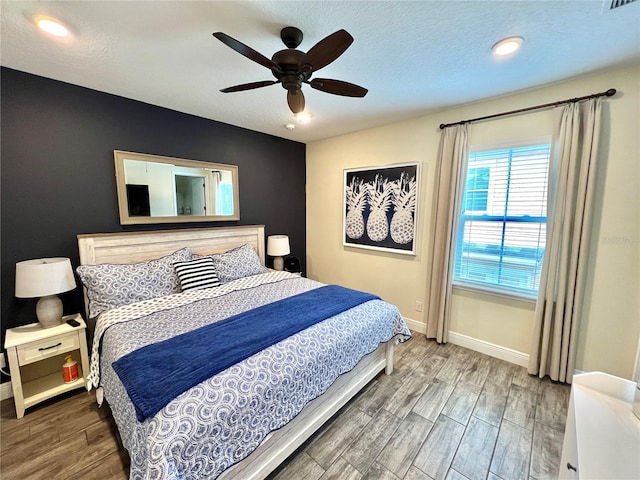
x: 416, y: 326
x: 491, y: 349
x: 5, y: 391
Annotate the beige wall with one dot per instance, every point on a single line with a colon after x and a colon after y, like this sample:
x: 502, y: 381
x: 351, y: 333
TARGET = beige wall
x: 610, y: 327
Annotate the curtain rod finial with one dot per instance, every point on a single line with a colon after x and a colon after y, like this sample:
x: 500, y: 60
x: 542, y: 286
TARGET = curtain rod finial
x: 611, y: 92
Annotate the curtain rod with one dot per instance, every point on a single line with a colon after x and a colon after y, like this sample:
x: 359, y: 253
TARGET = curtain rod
x: 609, y: 93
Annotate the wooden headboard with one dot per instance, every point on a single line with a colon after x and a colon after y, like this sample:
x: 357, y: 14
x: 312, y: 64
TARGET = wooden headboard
x: 132, y: 247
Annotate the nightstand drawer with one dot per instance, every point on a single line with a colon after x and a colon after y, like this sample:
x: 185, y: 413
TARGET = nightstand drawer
x: 36, y: 351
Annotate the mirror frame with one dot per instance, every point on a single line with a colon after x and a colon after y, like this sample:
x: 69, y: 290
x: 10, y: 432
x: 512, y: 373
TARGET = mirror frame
x: 125, y: 219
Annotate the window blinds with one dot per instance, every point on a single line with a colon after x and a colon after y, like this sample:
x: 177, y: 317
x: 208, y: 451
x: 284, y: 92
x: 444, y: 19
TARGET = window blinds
x: 502, y: 231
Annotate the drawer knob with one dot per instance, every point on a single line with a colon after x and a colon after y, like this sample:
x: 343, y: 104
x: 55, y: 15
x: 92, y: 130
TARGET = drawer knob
x: 49, y: 348
x: 571, y: 467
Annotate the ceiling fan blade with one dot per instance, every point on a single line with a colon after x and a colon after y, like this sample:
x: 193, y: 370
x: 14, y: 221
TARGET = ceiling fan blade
x: 327, y: 50
x: 249, y: 86
x: 338, y: 87
x: 295, y: 99
x: 248, y: 52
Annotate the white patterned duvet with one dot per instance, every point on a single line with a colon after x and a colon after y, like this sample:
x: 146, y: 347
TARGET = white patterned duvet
x: 220, y: 421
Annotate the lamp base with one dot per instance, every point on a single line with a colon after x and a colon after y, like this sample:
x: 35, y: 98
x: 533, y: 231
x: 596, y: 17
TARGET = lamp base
x: 49, y: 311
x: 278, y: 263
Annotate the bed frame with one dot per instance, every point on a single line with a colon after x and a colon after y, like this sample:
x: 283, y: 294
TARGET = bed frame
x: 132, y: 247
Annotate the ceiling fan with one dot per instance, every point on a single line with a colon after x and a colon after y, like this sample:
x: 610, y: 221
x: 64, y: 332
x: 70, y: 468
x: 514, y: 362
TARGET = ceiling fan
x: 292, y: 68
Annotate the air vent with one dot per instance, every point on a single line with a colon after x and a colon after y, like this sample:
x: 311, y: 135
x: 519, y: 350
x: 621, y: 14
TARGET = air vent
x: 611, y: 4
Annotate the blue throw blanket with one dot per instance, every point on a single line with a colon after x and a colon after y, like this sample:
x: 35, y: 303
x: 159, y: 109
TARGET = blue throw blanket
x: 156, y: 374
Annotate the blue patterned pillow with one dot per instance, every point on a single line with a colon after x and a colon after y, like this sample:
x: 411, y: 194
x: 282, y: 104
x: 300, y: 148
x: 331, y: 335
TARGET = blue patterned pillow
x: 111, y: 285
x: 237, y: 263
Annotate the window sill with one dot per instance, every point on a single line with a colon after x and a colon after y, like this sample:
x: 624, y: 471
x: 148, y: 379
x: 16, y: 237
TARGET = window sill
x: 521, y: 297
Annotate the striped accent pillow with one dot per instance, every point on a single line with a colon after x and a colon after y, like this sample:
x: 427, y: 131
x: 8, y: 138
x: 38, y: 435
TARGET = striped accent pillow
x: 197, y: 273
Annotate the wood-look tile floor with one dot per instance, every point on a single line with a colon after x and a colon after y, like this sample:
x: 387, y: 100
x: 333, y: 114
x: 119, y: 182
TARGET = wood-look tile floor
x: 445, y: 413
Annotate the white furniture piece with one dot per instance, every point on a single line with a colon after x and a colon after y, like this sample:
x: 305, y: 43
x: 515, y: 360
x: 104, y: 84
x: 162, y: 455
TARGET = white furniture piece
x: 36, y: 356
x: 602, y: 435
x: 130, y: 247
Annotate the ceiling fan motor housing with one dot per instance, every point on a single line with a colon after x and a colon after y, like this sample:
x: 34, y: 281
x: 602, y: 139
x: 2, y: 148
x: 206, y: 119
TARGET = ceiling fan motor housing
x: 291, y: 74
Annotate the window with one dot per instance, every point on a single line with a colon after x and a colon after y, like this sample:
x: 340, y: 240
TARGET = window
x: 502, y: 231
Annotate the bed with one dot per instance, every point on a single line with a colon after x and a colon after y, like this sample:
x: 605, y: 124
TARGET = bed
x: 181, y: 415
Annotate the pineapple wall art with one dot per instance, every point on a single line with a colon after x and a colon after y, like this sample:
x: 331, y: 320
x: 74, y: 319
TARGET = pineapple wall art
x: 380, y: 207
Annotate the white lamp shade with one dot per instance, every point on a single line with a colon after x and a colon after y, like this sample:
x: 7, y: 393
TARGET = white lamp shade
x: 278, y: 245
x: 44, y: 276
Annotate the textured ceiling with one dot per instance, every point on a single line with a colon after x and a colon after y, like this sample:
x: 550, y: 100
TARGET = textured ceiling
x: 414, y: 57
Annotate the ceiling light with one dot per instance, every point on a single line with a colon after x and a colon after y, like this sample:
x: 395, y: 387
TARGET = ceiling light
x: 289, y: 126
x: 303, y: 117
x: 51, y: 26
x: 507, y: 46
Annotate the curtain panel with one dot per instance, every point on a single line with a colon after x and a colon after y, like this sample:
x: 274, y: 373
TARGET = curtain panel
x: 450, y: 174
x: 561, y: 293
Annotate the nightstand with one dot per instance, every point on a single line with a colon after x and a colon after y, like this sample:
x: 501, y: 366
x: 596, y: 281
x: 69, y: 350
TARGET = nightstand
x: 36, y: 356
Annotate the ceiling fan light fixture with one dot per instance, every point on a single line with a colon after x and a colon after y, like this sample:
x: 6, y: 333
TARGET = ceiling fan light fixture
x: 507, y: 46
x: 51, y: 25
x: 303, y: 117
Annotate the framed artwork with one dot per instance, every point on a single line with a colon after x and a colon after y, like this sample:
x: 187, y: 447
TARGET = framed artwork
x: 379, y: 208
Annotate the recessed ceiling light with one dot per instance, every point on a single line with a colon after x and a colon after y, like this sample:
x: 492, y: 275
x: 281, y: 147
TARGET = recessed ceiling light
x: 51, y: 26
x: 507, y: 46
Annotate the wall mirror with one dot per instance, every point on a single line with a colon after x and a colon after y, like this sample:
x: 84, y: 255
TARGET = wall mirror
x: 156, y: 189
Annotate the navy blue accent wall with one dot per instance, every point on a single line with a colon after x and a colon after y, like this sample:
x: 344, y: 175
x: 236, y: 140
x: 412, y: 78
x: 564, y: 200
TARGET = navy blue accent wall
x: 58, y: 178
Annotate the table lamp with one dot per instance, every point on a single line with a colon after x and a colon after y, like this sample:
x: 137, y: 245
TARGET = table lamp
x: 45, y: 278
x: 278, y: 246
